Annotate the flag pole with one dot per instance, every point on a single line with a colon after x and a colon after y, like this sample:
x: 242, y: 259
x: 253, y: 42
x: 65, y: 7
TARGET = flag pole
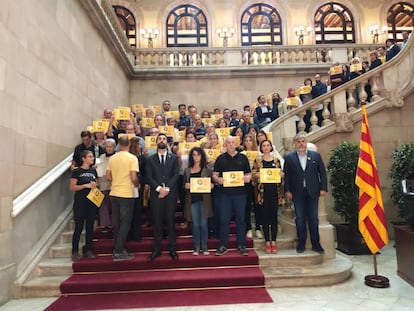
x: 375, y: 234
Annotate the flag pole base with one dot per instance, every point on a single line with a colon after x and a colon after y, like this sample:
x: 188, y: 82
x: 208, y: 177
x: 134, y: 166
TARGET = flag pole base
x: 377, y: 281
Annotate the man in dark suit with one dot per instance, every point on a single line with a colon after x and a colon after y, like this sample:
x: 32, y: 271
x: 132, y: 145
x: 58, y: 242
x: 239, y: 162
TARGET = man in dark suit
x: 162, y: 176
x: 305, y: 181
x: 392, y: 49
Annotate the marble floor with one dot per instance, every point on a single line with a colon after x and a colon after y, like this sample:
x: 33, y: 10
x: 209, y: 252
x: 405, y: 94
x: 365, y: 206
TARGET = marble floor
x: 351, y: 295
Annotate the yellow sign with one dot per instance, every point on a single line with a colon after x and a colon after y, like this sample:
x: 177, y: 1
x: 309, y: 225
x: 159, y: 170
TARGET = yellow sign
x: 185, y: 147
x: 181, y: 136
x: 100, y: 125
x: 251, y: 156
x: 292, y: 101
x: 138, y: 108
x: 223, y: 132
x: 130, y: 136
x: 335, y: 70
x: 217, y: 116
x: 151, y: 142
x: 270, y: 176
x: 122, y: 113
x: 200, y: 185
x: 212, y: 154
x: 233, y: 179
x: 305, y: 89
x: 156, y: 109
x: 208, y: 120
x: 167, y: 130
x: 96, y: 196
x: 173, y: 114
x: 237, y: 140
x: 355, y: 67
x: 269, y: 136
x: 147, y: 122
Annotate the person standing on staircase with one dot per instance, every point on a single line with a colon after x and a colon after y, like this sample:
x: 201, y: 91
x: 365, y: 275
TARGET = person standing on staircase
x: 83, y: 179
x: 161, y: 172
x: 122, y: 170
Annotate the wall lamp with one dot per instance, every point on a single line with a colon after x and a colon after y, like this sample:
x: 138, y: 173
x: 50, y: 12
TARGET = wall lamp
x: 150, y: 34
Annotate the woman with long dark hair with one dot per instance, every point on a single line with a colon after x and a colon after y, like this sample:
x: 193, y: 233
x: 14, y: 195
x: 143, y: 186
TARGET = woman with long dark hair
x: 198, y: 205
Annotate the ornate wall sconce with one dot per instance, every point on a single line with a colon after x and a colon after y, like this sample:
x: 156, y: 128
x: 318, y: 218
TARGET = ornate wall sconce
x: 150, y: 34
x: 225, y: 34
x: 375, y: 32
x: 300, y: 32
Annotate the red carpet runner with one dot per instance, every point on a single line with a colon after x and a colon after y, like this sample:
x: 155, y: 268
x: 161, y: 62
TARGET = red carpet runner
x: 102, y: 283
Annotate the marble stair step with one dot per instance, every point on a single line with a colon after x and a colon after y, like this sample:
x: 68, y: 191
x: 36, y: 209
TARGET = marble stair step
x: 329, y: 272
x: 63, y: 250
x: 55, y: 267
x: 283, y: 242
x: 289, y: 258
x: 43, y: 287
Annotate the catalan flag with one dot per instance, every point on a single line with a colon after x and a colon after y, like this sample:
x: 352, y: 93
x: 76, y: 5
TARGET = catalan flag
x: 372, y: 223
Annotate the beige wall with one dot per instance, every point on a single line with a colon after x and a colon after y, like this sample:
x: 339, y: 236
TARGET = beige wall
x: 56, y: 75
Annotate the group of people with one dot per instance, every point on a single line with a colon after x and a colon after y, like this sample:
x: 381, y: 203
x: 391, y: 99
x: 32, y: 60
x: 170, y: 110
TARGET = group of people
x: 133, y: 176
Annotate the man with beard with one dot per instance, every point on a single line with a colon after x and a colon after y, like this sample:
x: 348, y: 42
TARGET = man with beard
x: 162, y: 176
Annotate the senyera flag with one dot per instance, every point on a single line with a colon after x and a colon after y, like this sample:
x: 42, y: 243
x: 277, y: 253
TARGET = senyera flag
x: 372, y: 223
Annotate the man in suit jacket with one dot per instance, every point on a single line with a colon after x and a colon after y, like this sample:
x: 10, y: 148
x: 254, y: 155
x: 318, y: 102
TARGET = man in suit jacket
x: 162, y: 176
x: 305, y: 181
x: 392, y: 49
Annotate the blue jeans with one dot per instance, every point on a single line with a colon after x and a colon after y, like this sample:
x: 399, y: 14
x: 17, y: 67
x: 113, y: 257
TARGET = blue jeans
x: 122, y: 212
x: 200, y: 232
x: 306, y: 210
x: 230, y: 204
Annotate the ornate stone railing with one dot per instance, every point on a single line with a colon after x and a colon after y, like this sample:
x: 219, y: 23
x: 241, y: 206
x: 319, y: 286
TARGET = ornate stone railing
x: 390, y: 83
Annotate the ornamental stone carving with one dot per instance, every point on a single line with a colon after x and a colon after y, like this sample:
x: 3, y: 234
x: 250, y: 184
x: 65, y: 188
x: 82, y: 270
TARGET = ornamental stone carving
x: 343, y: 122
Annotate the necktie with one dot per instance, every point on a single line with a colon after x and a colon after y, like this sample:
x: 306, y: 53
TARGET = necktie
x: 162, y: 159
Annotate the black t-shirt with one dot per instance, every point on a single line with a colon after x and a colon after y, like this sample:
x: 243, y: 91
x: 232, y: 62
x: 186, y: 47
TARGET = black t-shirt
x: 82, y: 177
x: 227, y: 163
x: 95, y: 149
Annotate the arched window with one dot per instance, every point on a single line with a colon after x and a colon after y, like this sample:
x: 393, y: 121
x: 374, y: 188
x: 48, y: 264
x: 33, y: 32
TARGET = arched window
x: 261, y: 25
x: 187, y: 27
x: 400, y: 17
x: 128, y: 24
x: 334, y: 24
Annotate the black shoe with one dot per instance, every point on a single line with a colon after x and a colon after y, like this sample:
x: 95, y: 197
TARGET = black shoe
x: 173, y: 255
x: 153, y: 256
x: 300, y: 250
x: 221, y: 251
x: 243, y: 251
x: 319, y: 250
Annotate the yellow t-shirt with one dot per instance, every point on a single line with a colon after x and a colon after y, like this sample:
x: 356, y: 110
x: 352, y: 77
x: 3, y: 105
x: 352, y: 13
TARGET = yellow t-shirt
x: 121, y: 165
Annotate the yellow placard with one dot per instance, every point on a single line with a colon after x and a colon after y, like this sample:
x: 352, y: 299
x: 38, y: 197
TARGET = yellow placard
x: 223, y: 132
x: 292, y: 101
x: 212, y: 154
x: 100, y: 125
x: 305, y: 89
x: 181, y: 136
x: 251, y: 120
x: 122, y: 113
x: 175, y: 114
x: 336, y: 70
x: 147, y: 122
x: 237, y: 140
x: 137, y: 108
x: 297, y: 92
x: 251, y: 156
x: 233, y: 179
x: 96, y: 196
x: 185, y: 147
x: 151, y: 142
x: 270, y: 176
x: 269, y: 136
x: 208, y: 120
x: 156, y: 109
x: 217, y: 116
x: 130, y: 136
x: 167, y: 130
x: 355, y: 67
x: 89, y: 128
x: 200, y: 185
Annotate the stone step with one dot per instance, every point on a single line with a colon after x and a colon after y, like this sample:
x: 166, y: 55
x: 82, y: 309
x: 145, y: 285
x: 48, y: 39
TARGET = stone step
x: 66, y: 237
x: 63, y: 250
x: 283, y: 242
x: 43, y: 287
x: 329, y: 272
x: 289, y: 258
x: 54, y: 267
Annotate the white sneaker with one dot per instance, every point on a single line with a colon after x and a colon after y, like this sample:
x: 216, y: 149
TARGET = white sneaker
x: 249, y: 234
x: 259, y: 234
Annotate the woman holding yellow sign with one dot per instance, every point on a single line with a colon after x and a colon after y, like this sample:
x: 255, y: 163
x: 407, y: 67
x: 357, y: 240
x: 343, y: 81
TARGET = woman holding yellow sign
x: 198, y: 208
x: 83, y: 179
x: 266, y: 176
